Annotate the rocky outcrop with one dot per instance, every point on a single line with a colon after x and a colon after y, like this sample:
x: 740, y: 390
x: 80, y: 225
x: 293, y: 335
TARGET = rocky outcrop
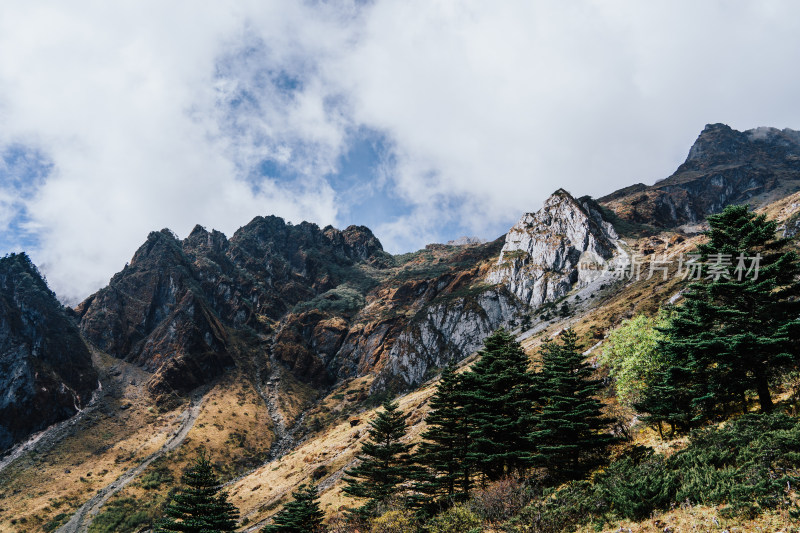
x: 446, y: 332
x: 173, y: 308
x: 46, y: 372
x: 724, y: 167
x: 542, y: 253
x: 465, y: 241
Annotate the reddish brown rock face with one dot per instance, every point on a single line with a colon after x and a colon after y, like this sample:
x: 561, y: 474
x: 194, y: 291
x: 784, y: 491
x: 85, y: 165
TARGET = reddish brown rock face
x: 323, y: 303
x: 173, y: 308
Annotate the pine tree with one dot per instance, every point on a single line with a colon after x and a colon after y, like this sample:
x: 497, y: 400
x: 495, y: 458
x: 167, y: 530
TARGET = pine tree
x: 443, y: 453
x: 303, y: 515
x: 758, y: 316
x: 200, y: 507
x: 738, y: 328
x: 385, y: 461
x: 568, y: 432
x: 498, y: 400
x: 684, y: 390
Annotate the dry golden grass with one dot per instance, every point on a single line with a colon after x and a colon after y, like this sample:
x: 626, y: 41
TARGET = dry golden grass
x: 234, y: 429
x: 261, y: 494
x: 701, y: 518
x: 38, y: 487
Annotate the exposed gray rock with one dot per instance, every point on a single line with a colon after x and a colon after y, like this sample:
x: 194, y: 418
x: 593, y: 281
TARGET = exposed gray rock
x: 543, y: 251
x: 791, y: 228
x: 445, y: 332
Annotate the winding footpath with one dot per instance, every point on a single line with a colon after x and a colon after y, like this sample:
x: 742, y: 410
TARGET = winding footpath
x: 80, y: 521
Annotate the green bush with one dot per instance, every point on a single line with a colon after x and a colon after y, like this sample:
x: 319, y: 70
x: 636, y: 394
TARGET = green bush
x: 394, y: 521
x: 632, y: 357
x: 159, y: 474
x: 748, y: 461
x: 121, y: 516
x: 56, y: 522
x: 576, y: 503
x: 457, y: 519
x: 637, y: 484
x: 745, y: 466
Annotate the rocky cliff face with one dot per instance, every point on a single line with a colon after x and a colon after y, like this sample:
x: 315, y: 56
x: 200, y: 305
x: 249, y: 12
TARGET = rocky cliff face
x: 724, y: 167
x: 46, y: 371
x: 174, y: 308
x: 430, y: 308
x: 540, y: 259
x: 446, y: 332
x: 327, y: 304
x: 323, y: 303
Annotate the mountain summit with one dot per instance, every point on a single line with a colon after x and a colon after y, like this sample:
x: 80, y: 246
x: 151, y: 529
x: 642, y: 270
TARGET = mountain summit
x: 539, y: 260
x: 724, y: 167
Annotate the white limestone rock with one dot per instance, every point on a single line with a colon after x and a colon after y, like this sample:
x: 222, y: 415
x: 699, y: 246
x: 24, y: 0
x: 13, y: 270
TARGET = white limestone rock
x: 543, y: 252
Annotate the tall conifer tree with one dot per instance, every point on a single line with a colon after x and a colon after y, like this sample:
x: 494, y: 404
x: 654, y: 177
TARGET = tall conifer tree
x: 200, y: 507
x: 756, y: 314
x: 498, y: 401
x: 569, y: 430
x: 443, y: 453
x: 385, y: 461
x: 738, y: 328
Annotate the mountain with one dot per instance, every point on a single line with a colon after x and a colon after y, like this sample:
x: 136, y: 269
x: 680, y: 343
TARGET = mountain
x: 326, y: 304
x: 46, y: 372
x: 724, y: 167
x: 174, y: 308
x: 269, y: 349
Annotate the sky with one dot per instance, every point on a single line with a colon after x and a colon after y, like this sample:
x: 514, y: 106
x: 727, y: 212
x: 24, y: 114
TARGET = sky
x: 425, y: 120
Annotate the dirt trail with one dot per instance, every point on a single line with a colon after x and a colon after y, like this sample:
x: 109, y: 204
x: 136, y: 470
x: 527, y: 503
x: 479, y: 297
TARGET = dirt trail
x: 80, y: 521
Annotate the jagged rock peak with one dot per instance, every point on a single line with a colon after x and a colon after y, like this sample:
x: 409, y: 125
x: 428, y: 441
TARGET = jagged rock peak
x: 358, y: 241
x: 721, y: 141
x: 724, y: 167
x: 160, y: 246
x: 540, y: 257
x: 355, y: 242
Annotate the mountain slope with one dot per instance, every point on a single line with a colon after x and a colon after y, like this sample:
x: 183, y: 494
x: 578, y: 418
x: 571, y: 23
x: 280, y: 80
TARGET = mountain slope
x: 46, y: 372
x: 293, y: 333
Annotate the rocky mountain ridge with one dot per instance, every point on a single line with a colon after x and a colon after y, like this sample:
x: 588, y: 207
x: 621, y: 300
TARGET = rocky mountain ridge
x: 724, y: 166
x: 329, y: 305
x: 298, y: 329
x: 174, y: 308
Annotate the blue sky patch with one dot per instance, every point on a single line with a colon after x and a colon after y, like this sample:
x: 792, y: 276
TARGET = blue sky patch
x: 22, y: 171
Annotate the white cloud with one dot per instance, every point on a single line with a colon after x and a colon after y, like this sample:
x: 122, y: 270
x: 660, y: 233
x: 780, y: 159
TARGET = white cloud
x: 126, y: 102
x: 160, y: 114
